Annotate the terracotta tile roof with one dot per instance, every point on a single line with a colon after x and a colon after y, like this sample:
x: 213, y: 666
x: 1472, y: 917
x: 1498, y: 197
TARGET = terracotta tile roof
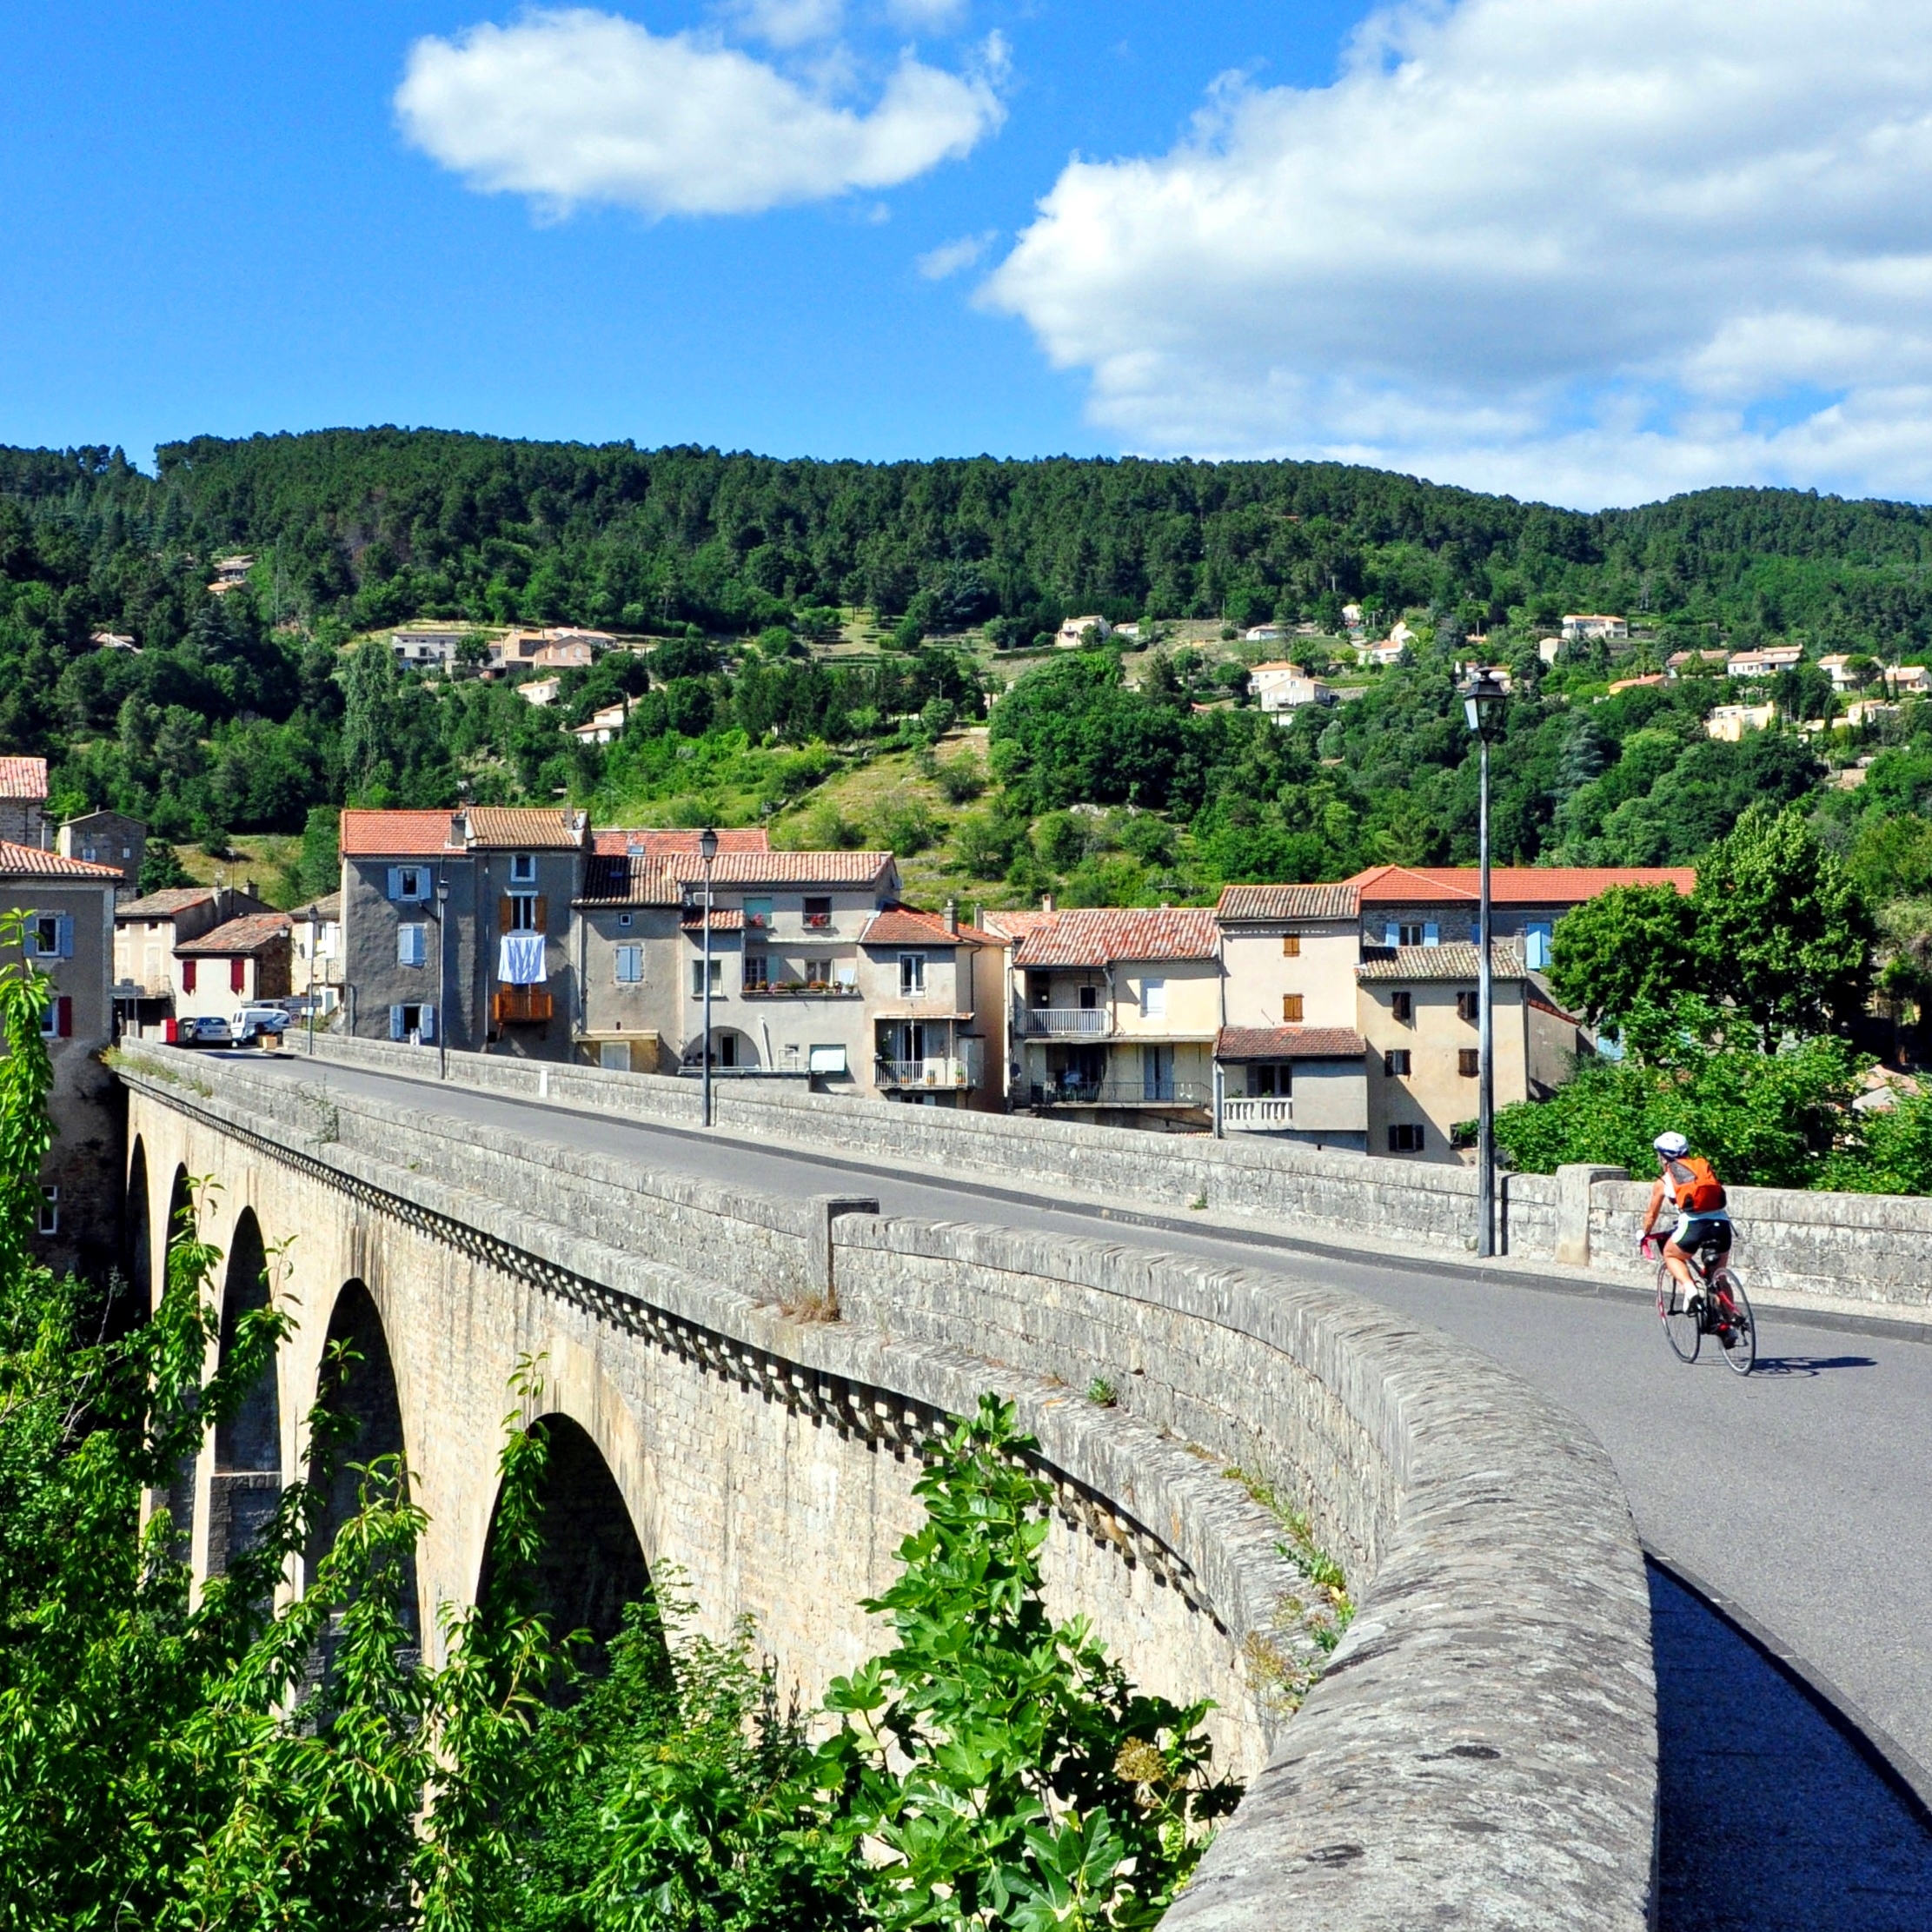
x: 906, y: 926
x: 164, y: 904
x: 783, y: 868
x: 23, y: 778
x: 32, y: 862
x: 1457, y: 959
x: 1099, y: 936
x: 724, y: 918
x: 524, y: 828
x: 1279, y: 902
x: 1509, y: 885
x: 655, y: 840
x: 1015, y: 924
x: 617, y: 880
x: 1289, y: 1043
x: 325, y: 909
x: 396, y: 835
x: 253, y: 933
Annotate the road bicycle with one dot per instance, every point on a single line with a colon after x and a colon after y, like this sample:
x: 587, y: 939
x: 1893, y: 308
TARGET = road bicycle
x: 1718, y: 1306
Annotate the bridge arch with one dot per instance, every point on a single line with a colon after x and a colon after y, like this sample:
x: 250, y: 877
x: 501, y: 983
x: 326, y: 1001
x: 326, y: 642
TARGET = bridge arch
x: 591, y: 1562
x: 138, y: 1256
x: 181, y: 1197
x: 244, y: 1480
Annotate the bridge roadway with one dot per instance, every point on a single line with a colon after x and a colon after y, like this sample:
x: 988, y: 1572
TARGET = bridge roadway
x: 1798, y: 1497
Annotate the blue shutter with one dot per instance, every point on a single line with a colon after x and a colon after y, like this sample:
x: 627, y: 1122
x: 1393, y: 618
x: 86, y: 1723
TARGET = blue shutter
x: 64, y: 944
x: 1432, y: 934
x: 396, y: 882
x: 395, y: 1022
x: 1392, y: 933
x: 428, y: 1024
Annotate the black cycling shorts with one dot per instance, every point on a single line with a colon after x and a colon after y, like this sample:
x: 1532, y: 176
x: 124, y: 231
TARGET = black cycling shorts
x: 1701, y: 1231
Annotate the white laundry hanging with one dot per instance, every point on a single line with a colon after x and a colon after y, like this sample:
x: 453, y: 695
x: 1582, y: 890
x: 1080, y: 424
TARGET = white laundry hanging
x: 521, y: 960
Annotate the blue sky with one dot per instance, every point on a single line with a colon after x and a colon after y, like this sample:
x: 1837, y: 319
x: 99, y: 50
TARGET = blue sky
x: 214, y: 224
x: 1596, y: 250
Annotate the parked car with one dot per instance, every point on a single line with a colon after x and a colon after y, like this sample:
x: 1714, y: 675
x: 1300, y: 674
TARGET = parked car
x: 202, y: 1029
x: 251, y: 1023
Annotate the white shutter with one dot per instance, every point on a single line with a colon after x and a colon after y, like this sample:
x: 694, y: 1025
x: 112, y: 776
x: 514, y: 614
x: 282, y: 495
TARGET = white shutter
x: 395, y: 1023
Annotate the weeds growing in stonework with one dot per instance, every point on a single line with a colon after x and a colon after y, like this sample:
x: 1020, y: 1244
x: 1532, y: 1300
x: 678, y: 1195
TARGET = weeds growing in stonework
x: 1315, y: 1621
x: 278, y: 1751
x: 1102, y: 1393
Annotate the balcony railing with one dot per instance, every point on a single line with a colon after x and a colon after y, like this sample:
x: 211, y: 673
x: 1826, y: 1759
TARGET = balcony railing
x: 1122, y: 1093
x: 802, y: 989
x: 923, y: 1073
x: 1256, y: 1113
x: 1066, y: 1022
x: 522, y: 1005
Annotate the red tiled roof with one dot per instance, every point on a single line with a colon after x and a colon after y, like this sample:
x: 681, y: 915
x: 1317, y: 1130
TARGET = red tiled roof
x: 724, y: 918
x: 165, y: 904
x: 1015, y: 924
x: 396, y: 834
x: 524, y: 828
x: 23, y: 778
x: 906, y: 926
x: 618, y: 880
x: 654, y: 841
x: 1509, y: 885
x: 1279, y: 902
x: 31, y: 861
x: 1097, y: 937
x: 253, y: 933
x: 1288, y: 1043
x: 783, y: 868
x: 1456, y: 959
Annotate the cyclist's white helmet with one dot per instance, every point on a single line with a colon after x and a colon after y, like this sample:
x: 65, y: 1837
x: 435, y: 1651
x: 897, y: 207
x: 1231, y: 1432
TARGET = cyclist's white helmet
x: 1672, y: 1146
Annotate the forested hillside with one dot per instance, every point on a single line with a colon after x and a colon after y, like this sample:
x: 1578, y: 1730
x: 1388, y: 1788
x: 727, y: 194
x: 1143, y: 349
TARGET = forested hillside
x: 809, y: 634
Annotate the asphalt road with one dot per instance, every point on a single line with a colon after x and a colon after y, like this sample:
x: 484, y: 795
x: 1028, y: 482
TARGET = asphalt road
x: 1796, y: 1497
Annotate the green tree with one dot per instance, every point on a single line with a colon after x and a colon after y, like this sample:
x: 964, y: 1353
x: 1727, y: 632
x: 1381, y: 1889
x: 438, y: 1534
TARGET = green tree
x: 160, y: 868
x: 371, y: 724
x: 1628, y: 945
x: 1782, y: 929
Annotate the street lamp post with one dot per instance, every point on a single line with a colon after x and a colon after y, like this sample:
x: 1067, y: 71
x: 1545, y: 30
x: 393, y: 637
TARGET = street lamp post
x: 708, y: 851
x: 1482, y: 701
x: 314, y: 963
x: 442, y: 975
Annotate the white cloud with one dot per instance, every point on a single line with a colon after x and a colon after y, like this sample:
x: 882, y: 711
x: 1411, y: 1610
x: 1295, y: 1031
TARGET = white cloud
x: 1588, y: 248
x: 789, y: 23
x: 931, y: 15
x: 950, y: 258
x: 578, y: 106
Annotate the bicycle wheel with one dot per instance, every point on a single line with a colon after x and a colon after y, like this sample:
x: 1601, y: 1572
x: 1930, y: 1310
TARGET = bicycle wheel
x: 1681, y: 1328
x: 1736, y: 1324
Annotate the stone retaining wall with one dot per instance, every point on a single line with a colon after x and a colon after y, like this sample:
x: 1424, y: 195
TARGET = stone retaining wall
x: 1482, y: 1748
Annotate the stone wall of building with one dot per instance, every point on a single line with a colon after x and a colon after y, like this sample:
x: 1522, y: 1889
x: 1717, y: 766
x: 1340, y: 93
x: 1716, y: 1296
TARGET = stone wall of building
x: 1485, y: 1732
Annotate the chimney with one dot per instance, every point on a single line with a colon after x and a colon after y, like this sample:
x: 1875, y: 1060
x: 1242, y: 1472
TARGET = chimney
x: 953, y: 915
x: 1047, y: 902
x: 247, y: 887
x: 458, y: 829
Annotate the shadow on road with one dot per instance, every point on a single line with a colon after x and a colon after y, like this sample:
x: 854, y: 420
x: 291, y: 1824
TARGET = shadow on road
x: 1774, y: 1819
x: 1810, y: 1364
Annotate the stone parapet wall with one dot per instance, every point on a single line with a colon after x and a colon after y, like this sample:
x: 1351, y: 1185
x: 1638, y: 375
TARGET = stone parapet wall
x: 1482, y: 1749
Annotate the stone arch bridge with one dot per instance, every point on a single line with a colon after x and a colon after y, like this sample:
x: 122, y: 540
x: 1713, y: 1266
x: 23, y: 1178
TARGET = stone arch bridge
x: 738, y: 1389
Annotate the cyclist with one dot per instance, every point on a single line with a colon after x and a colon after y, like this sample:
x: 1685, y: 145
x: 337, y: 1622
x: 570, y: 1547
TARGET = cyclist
x: 1691, y: 1186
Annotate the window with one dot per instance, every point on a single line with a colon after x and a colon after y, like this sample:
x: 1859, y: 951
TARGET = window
x: 624, y: 920
x: 1271, y: 1080
x: 1090, y: 999
x: 57, y: 1020
x: 1291, y: 946
x: 818, y: 913
x: 1395, y: 1062
x: 409, y: 882
x: 630, y: 965
x: 911, y: 975
x: 50, y: 936
x: 48, y: 1221
x: 758, y: 914
x: 237, y: 975
x: 413, y: 1022
x: 697, y: 978
x: 1469, y: 1006
x: 1402, y: 1007
x: 1406, y: 1139
x: 412, y: 944
x: 523, y: 912
x: 818, y: 973
x: 1291, y: 1009
x: 524, y: 869
x: 824, y: 1059
x: 1535, y: 945
x: 758, y: 973
x: 1153, y: 999
x: 187, y: 975
x: 1469, y: 1062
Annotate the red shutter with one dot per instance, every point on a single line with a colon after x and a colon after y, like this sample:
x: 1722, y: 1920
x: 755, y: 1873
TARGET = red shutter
x: 64, y: 1017
x: 238, y: 974
x: 187, y: 975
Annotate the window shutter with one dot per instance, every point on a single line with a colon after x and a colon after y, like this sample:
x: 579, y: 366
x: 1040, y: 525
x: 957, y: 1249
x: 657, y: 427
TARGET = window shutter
x: 187, y: 975
x: 395, y: 1023
x: 504, y: 915
x: 1291, y: 1009
x: 542, y: 913
x: 396, y: 882
x: 1291, y: 946
x: 63, y: 1024
x: 426, y: 1026
x: 64, y: 943
x: 238, y: 974
x: 1392, y: 933
x: 1432, y: 934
